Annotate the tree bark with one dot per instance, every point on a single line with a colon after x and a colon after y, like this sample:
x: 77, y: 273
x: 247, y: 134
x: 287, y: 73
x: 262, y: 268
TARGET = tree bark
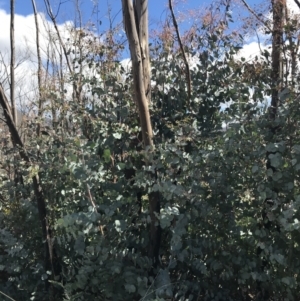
x: 138, y: 62
x: 141, y: 15
x: 187, y: 67
x: 12, y: 61
x: 277, y: 40
x: 135, y: 16
x: 39, y: 58
x: 276, y: 77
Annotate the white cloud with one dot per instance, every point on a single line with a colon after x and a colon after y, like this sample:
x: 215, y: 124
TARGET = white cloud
x: 26, y: 48
x: 251, y: 50
x: 255, y: 45
x: 26, y: 58
x: 126, y: 64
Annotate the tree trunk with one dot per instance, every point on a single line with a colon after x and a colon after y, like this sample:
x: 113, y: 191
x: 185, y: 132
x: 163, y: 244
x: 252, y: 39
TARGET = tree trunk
x: 38, y: 192
x: 141, y: 15
x: 39, y: 58
x: 12, y: 61
x: 135, y: 16
x: 186, y: 63
x: 139, y: 63
x: 277, y: 78
x: 277, y: 40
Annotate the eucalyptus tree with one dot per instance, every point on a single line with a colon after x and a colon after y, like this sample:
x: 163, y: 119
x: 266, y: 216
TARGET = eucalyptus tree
x: 135, y: 16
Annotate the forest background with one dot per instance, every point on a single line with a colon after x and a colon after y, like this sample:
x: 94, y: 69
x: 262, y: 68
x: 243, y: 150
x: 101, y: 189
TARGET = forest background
x: 149, y: 154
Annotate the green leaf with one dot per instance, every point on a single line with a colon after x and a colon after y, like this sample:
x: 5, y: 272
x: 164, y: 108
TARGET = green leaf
x: 296, y: 149
x: 284, y: 94
x: 120, y: 225
x: 275, y: 159
x: 176, y: 243
x: 270, y: 172
x: 279, y: 258
x: 79, y: 245
x: 289, y: 281
x: 167, y: 215
x: 130, y: 288
x: 121, y: 166
x: 107, y: 155
x: 277, y: 176
x: 117, y: 135
x: 290, y: 186
x: 271, y: 147
x: 163, y: 284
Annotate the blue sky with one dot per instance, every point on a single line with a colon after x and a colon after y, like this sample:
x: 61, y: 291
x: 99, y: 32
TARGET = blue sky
x: 157, y: 8
x: 25, y: 29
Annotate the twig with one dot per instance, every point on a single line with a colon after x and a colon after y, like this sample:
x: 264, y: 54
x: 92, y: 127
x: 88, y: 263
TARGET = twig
x: 90, y: 197
x: 39, y: 58
x: 53, y: 19
x: 258, y: 40
x: 12, y: 61
x: 297, y: 2
x: 7, y: 296
x: 187, y: 68
x: 256, y: 16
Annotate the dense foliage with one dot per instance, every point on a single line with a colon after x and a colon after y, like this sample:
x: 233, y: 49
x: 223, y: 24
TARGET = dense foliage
x: 220, y: 239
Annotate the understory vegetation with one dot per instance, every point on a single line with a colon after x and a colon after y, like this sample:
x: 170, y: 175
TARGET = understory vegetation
x: 83, y: 197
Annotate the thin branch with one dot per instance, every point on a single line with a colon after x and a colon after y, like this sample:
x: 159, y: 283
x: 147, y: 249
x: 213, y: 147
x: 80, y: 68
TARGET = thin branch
x: 12, y: 60
x: 297, y: 2
x: 91, y: 199
x: 293, y: 48
x: 53, y: 19
x: 187, y: 68
x: 5, y: 70
x: 39, y: 58
x: 258, y: 40
x: 256, y: 15
x: 7, y: 296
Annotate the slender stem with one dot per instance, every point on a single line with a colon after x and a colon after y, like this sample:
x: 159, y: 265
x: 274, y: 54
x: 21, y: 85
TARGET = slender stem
x: 187, y: 68
x: 7, y: 296
x: 12, y: 60
x: 39, y: 74
x: 256, y: 16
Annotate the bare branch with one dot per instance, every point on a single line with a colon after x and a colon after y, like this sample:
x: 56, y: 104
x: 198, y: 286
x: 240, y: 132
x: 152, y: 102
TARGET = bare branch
x: 187, y: 68
x: 39, y: 74
x: 297, y: 2
x: 12, y: 60
x: 53, y: 19
x: 7, y: 296
x: 256, y: 15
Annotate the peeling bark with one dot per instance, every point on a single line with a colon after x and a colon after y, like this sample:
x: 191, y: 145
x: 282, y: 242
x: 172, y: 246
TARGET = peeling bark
x: 135, y: 16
